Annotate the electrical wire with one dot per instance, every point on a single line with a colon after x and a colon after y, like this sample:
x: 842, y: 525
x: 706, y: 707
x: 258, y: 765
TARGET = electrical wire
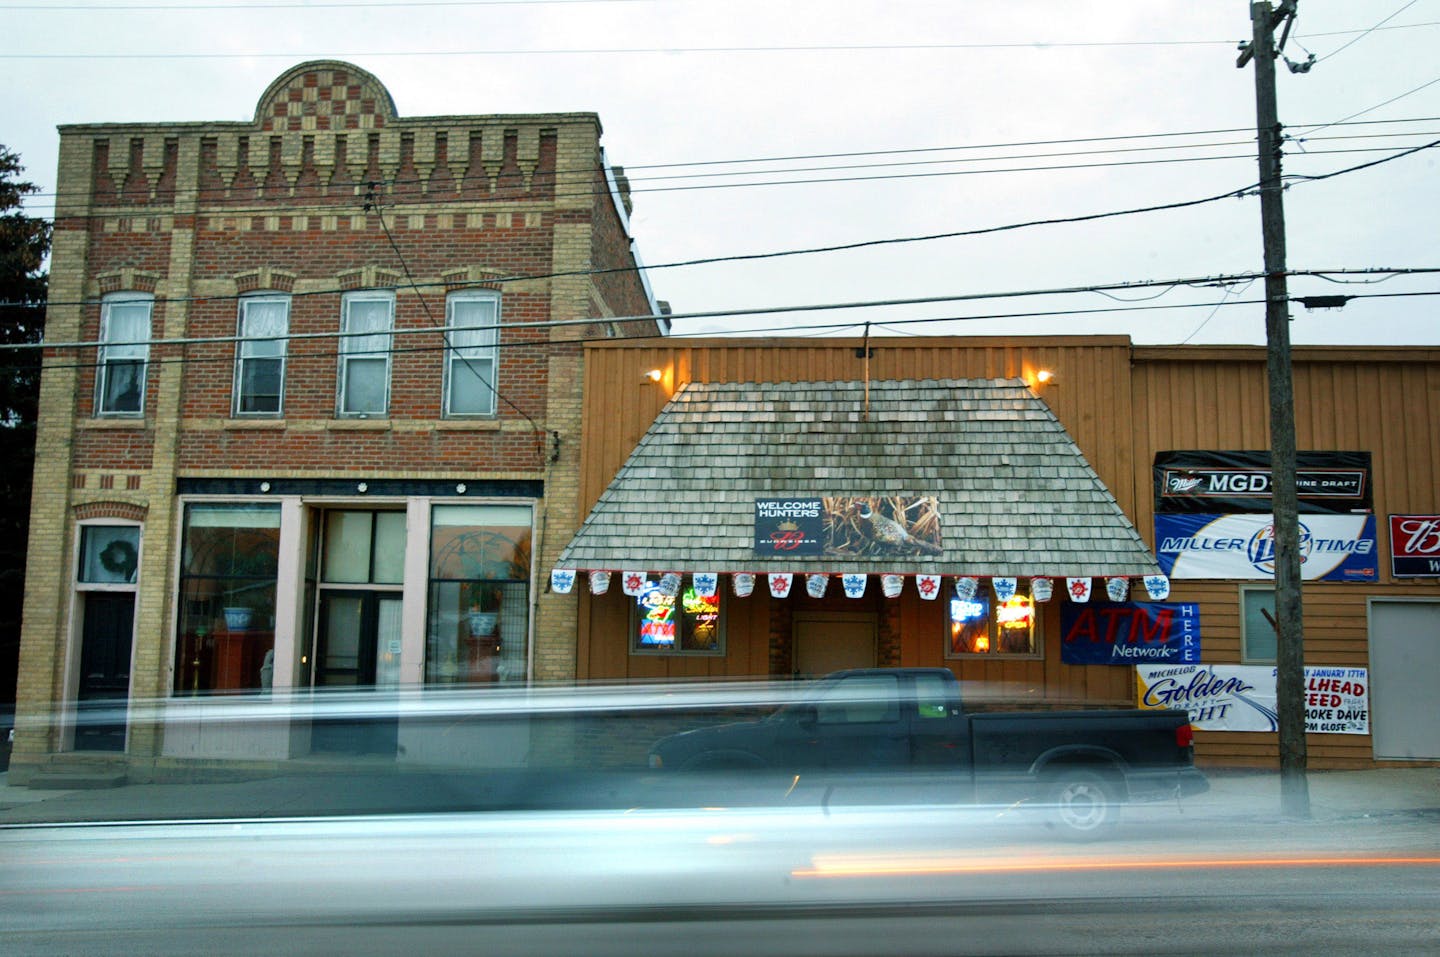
x: 1229, y: 291
x: 589, y: 172
x: 1371, y: 109
x: 290, y: 209
x: 1035, y: 45
x: 371, y: 202
x: 1167, y: 284
x: 307, y: 5
x: 855, y: 245
x: 1362, y: 36
x: 814, y: 328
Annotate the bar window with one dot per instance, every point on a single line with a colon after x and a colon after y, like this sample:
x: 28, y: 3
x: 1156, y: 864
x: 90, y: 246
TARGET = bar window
x: 982, y: 626
x: 676, y: 624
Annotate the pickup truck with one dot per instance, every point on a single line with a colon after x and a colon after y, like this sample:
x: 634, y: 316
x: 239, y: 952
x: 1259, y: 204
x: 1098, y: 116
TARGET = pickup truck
x: 902, y: 724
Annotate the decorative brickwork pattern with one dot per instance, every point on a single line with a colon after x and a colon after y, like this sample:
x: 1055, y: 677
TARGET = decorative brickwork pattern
x: 329, y: 189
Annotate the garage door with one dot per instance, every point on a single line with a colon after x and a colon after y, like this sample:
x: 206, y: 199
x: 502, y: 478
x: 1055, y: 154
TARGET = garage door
x: 1404, y: 665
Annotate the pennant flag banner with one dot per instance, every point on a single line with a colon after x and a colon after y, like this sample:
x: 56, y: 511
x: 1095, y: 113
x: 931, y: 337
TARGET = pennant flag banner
x: 780, y: 584
x: 815, y: 585
x: 1117, y: 589
x: 562, y: 580
x: 854, y: 585
x: 706, y: 584
x: 631, y: 583
x: 928, y: 586
x: 599, y: 583
x: 892, y: 585
x: 670, y: 584
x: 1041, y: 589
x: 1079, y: 589
x: 742, y: 583
x: 965, y: 588
x: 1157, y: 587
x: 1004, y: 588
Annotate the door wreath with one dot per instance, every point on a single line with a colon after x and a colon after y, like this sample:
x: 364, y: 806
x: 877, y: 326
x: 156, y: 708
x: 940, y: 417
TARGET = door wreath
x: 118, y: 558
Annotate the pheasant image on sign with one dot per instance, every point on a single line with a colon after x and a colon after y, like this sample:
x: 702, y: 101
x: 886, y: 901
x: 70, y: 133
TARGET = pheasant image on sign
x: 915, y: 529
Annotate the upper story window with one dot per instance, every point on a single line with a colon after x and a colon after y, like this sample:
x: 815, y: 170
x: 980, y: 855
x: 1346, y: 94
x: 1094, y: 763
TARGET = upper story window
x: 472, y: 338
x: 124, y: 352
x: 260, y: 354
x: 366, y: 320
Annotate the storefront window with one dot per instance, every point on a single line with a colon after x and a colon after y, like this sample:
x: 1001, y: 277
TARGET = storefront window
x: 981, y: 626
x: 479, y: 594
x: 228, y: 571
x: 683, y: 624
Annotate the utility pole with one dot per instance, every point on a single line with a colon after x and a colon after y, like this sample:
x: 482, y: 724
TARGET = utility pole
x: 1289, y: 631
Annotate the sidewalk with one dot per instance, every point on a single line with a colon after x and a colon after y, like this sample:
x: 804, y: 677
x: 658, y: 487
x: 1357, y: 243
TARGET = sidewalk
x: 1234, y: 795
x: 1334, y: 795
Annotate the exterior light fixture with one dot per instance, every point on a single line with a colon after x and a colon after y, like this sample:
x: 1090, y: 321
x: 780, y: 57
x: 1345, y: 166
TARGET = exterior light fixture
x: 654, y: 375
x: 1044, y: 377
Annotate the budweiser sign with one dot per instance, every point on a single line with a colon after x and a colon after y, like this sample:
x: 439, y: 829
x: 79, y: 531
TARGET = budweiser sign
x: 1415, y: 546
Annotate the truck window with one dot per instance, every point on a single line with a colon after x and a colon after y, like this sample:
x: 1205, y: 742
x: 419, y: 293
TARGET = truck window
x: 932, y: 696
x: 860, y: 699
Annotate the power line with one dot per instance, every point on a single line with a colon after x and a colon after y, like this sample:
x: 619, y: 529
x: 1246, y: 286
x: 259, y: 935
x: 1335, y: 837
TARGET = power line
x: 371, y: 203
x: 1362, y: 36
x: 398, y: 181
x: 319, y: 5
x: 1038, y: 45
x: 1353, y: 169
x: 1369, y: 109
x: 320, y: 208
x: 777, y: 254
x: 1088, y: 217
x: 630, y: 168
x: 1101, y: 288
x: 707, y: 334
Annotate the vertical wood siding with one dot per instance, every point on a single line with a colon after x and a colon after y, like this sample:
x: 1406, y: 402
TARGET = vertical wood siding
x: 1121, y: 405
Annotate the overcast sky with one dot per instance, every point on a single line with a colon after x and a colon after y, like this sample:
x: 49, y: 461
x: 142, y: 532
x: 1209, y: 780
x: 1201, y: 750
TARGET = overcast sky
x: 964, y: 86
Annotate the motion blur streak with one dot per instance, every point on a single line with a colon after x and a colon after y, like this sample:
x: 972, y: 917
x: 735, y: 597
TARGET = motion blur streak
x: 882, y: 867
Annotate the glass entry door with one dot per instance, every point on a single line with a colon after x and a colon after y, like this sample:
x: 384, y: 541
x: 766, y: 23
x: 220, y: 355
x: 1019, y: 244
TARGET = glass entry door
x: 358, y: 647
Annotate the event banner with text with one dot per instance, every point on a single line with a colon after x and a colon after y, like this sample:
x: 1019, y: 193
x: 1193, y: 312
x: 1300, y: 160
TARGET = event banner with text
x: 1242, y: 697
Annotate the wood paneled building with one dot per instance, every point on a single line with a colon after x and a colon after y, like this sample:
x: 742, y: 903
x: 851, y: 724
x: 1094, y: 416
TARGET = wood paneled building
x: 1121, y: 405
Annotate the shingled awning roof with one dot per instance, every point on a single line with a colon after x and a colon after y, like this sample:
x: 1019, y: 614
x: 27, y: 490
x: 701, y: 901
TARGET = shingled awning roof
x: 1015, y: 495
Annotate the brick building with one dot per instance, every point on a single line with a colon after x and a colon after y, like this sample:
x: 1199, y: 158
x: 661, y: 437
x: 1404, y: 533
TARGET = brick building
x: 320, y: 423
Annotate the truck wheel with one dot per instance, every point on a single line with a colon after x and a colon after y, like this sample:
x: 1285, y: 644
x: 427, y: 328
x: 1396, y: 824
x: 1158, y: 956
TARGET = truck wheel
x: 1084, y: 803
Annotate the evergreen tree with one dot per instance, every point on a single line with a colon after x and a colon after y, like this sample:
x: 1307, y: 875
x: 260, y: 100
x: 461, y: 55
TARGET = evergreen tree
x: 24, y: 244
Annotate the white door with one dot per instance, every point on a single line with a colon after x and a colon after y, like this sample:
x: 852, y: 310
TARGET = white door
x: 1404, y: 666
